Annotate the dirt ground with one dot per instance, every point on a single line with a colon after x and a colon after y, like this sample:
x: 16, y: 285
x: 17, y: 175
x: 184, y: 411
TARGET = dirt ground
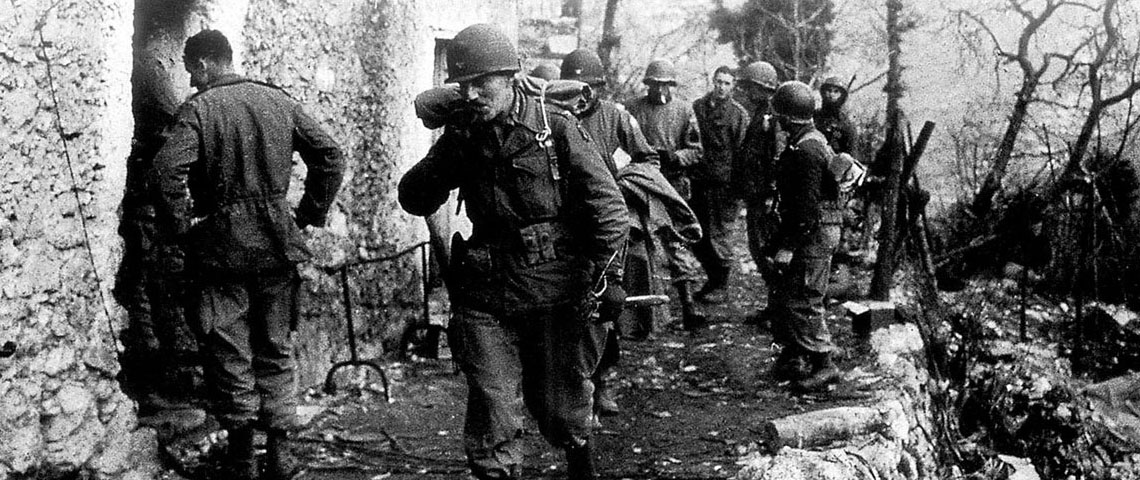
x: 691, y: 404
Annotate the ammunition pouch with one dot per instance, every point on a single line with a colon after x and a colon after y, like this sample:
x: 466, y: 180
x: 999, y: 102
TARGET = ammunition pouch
x: 538, y: 243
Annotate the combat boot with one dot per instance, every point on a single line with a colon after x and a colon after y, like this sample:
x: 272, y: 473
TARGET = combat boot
x: 240, y: 462
x: 823, y: 372
x: 279, y: 462
x: 604, y: 403
x: 692, y: 318
x: 761, y: 318
x: 789, y: 365
x: 716, y: 289
x: 580, y: 463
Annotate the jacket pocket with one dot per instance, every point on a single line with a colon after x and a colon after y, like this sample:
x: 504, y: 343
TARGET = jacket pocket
x: 249, y: 236
x: 536, y: 192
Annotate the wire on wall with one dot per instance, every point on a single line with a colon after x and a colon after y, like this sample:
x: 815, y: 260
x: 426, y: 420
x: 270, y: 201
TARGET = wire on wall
x: 75, y: 188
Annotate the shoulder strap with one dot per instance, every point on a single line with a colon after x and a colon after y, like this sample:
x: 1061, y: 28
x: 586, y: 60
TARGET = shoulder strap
x: 814, y: 135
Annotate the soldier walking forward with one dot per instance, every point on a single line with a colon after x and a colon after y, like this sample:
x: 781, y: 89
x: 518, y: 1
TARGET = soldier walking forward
x: 547, y: 219
x: 223, y: 175
x: 671, y: 128
x: 611, y: 127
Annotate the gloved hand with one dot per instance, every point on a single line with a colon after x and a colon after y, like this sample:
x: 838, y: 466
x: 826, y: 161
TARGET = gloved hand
x: 611, y: 302
x: 783, y: 258
x: 686, y: 161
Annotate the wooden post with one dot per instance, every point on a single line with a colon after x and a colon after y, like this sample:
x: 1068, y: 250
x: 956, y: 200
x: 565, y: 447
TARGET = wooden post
x: 883, y: 278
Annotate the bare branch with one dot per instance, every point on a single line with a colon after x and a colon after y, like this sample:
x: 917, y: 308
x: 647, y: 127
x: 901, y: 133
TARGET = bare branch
x: 986, y: 28
x: 869, y: 82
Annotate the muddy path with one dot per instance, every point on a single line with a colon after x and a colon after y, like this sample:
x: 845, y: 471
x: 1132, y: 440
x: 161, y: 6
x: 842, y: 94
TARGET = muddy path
x: 691, y: 405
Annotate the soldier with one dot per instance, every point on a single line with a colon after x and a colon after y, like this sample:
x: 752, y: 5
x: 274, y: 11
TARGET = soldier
x: 808, y: 233
x: 222, y: 177
x: 548, y: 221
x: 611, y: 127
x: 831, y: 119
x: 833, y: 122
x: 671, y: 129
x: 754, y: 172
x: 160, y: 366
x: 545, y: 71
x: 722, y: 123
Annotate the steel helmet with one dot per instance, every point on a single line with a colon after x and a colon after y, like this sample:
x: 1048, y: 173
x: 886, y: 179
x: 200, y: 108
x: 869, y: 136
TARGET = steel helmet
x: 661, y: 71
x: 479, y: 50
x: 760, y: 73
x: 794, y: 100
x: 835, y: 82
x: 584, y: 66
x: 545, y: 71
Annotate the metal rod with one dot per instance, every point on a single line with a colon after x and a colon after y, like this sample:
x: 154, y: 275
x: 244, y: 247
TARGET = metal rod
x: 348, y: 311
x: 424, y: 277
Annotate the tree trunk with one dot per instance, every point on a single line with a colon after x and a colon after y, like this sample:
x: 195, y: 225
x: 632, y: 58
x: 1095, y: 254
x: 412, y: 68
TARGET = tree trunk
x: 983, y: 202
x: 610, y: 41
x: 893, y: 152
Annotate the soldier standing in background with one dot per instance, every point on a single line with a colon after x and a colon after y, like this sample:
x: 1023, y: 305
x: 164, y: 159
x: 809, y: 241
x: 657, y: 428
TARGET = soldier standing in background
x: 754, y: 173
x: 222, y: 177
x: 671, y: 129
x: 160, y: 366
x: 548, y: 221
x: 808, y: 234
x: 722, y: 123
x: 545, y: 71
x: 831, y: 119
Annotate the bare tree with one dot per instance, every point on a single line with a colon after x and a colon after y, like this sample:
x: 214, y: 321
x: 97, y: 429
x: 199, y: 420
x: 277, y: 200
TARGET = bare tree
x: 1033, y: 72
x: 892, y: 153
x: 610, y: 41
x: 791, y: 35
x: 1108, y: 55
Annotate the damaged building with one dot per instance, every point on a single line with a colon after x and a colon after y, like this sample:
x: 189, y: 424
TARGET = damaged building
x: 83, y: 84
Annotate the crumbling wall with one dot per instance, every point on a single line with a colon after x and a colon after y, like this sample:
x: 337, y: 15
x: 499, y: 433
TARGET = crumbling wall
x: 356, y: 66
x: 60, y: 406
x: 889, y: 436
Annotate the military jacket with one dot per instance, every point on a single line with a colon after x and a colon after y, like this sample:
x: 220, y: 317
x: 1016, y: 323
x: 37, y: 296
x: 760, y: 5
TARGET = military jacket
x: 672, y: 128
x: 837, y: 127
x: 722, y: 123
x: 546, y: 214
x: 612, y: 127
x: 225, y: 169
x: 754, y: 171
x: 808, y: 191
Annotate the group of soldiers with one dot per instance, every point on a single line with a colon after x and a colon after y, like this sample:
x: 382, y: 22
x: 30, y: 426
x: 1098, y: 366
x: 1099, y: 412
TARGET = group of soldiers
x: 560, y: 231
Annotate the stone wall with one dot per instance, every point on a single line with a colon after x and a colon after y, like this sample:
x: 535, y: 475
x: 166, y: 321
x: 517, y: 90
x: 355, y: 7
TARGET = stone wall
x: 63, y: 158
x: 888, y: 436
x: 356, y: 66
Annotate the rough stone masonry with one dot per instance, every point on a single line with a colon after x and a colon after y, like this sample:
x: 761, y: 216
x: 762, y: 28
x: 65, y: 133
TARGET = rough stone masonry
x: 65, y: 134
x: 65, y: 120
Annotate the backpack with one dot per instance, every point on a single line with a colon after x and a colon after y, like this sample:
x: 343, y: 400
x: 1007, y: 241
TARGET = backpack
x: 442, y: 105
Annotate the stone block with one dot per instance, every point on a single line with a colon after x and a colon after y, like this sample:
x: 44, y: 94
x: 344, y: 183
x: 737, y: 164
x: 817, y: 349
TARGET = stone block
x: 870, y: 315
x: 114, y: 454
